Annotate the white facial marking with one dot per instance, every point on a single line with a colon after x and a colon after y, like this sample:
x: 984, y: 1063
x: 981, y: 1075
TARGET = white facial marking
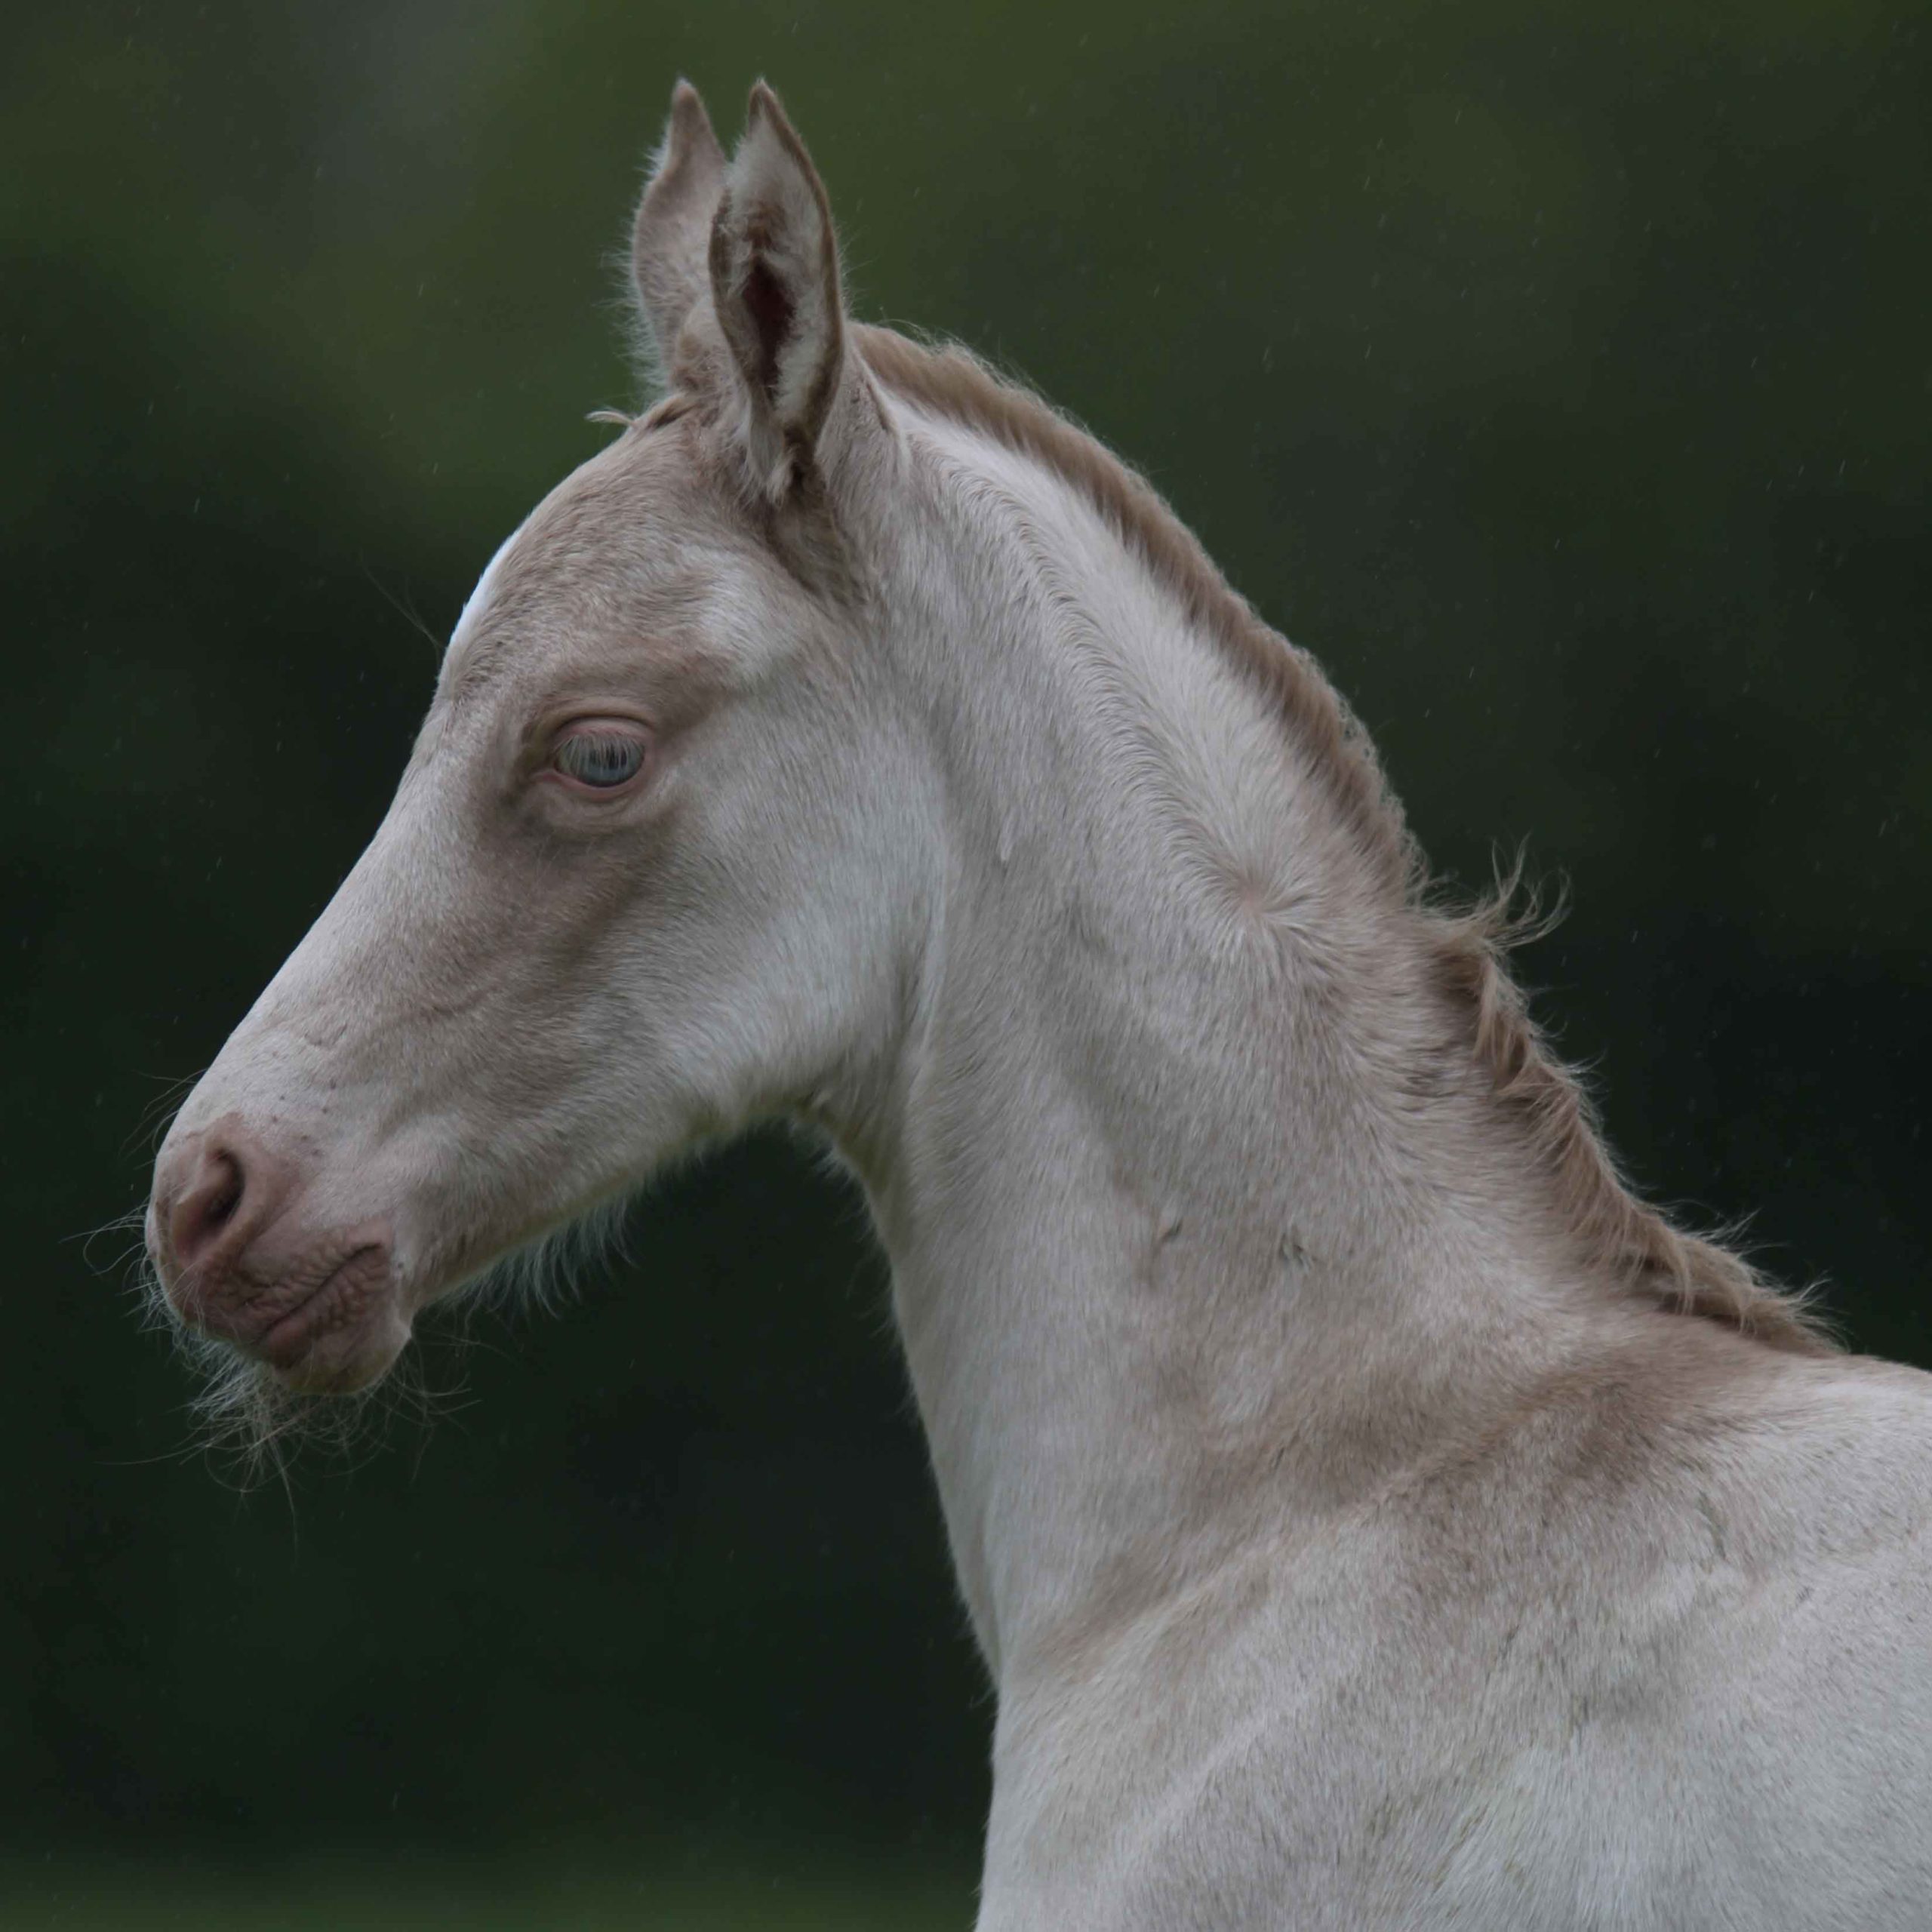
x: 478, y: 600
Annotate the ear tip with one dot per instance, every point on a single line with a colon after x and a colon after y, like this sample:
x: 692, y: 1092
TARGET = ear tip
x: 688, y: 141
x: 768, y: 129
x: 688, y: 117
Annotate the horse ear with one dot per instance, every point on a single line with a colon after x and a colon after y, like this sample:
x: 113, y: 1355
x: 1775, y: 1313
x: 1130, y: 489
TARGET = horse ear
x: 774, y: 285
x: 670, y: 238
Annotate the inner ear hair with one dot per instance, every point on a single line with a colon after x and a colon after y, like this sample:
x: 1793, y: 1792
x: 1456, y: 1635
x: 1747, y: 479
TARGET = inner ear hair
x: 773, y: 314
x: 775, y: 290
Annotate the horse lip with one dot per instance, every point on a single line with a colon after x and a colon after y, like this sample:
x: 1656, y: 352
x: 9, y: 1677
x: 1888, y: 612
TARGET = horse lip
x: 284, y: 1342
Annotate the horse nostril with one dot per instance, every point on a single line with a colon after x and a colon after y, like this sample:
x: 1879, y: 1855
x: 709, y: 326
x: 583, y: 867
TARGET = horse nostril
x: 223, y: 1205
x: 213, y: 1199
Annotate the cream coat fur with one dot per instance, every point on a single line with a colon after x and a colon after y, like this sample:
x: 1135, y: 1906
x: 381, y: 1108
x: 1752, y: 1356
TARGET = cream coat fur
x: 1372, y: 1516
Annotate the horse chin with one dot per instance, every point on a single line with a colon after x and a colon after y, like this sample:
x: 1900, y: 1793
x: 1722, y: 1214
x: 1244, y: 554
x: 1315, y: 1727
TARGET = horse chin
x: 345, y: 1360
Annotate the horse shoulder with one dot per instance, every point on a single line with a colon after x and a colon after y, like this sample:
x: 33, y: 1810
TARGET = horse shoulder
x: 1588, y: 1657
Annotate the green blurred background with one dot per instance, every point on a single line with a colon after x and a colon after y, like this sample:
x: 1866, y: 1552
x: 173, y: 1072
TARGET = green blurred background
x: 1560, y: 376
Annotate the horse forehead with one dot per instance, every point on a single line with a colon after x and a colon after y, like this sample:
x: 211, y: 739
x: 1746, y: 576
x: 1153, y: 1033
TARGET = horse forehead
x: 633, y: 521
x: 629, y: 517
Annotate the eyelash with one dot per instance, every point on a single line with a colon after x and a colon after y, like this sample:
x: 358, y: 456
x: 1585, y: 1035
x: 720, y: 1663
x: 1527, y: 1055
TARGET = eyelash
x: 603, y: 759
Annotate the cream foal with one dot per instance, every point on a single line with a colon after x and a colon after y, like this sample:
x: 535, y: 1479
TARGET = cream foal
x: 1371, y: 1515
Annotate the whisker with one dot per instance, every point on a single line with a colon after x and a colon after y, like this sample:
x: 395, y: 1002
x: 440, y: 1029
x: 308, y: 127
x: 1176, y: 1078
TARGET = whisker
x: 252, y: 1429
x: 159, y: 1115
x: 406, y: 611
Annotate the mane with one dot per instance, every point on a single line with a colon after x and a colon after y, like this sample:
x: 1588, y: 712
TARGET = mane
x: 1617, y: 1235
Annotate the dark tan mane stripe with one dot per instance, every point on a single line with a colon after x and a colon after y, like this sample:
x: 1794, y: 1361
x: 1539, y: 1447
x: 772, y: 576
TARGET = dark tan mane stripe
x: 951, y: 383
x: 1614, y: 1231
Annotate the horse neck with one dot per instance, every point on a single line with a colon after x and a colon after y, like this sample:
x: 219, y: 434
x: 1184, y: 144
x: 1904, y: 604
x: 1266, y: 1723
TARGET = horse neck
x: 1174, y: 1258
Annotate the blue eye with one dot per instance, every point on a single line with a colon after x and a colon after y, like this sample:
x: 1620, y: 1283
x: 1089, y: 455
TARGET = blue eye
x: 602, y: 759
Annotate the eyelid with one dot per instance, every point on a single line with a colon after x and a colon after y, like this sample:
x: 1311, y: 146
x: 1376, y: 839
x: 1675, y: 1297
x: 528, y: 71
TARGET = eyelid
x: 593, y: 724
x: 609, y: 726
x: 617, y: 723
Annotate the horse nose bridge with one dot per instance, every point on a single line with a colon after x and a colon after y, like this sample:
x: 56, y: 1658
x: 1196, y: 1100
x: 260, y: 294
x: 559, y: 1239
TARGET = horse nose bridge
x: 305, y: 1073
x: 311, y: 1027
x: 398, y: 877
